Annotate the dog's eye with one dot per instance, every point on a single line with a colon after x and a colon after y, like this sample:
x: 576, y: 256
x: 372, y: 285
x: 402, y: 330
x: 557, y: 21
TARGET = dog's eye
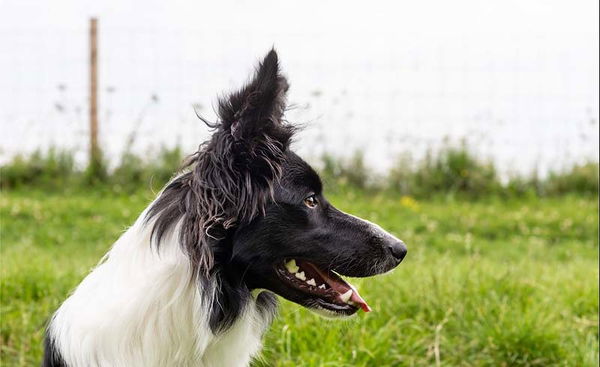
x: 311, y: 201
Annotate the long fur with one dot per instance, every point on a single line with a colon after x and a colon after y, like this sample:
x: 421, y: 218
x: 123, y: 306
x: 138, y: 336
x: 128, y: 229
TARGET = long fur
x: 140, y: 307
x: 182, y: 286
x: 159, y: 298
x: 231, y: 176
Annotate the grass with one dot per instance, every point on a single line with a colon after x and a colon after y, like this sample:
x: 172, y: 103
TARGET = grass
x: 453, y: 171
x: 493, y: 282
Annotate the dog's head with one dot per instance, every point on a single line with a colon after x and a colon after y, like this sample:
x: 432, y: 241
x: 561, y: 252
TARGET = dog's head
x: 251, y: 204
x: 302, y: 244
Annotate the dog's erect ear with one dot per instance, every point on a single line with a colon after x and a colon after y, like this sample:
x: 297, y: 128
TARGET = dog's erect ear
x: 258, y: 107
x: 250, y: 142
x: 231, y: 176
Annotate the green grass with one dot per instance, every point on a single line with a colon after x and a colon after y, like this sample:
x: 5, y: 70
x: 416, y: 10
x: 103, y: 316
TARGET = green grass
x: 492, y: 282
x: 452, y: 171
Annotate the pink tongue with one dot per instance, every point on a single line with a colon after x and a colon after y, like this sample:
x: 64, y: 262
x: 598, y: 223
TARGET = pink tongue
x: 356, y: 298
x: 342, y: 287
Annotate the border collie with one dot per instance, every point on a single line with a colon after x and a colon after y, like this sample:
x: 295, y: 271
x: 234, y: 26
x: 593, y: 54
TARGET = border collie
x: 194, y: 281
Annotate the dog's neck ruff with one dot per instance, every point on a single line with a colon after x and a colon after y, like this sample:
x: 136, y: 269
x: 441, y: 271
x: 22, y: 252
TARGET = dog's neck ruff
x: 144, y: 307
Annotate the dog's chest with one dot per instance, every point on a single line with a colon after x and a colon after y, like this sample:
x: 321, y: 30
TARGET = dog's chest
x: 237, y: 345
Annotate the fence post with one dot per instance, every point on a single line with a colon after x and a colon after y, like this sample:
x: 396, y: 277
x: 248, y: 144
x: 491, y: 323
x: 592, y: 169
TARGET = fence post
x: 94, y: 149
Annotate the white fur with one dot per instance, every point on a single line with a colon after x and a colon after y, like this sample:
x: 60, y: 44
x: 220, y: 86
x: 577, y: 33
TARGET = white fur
x: 140, y: 307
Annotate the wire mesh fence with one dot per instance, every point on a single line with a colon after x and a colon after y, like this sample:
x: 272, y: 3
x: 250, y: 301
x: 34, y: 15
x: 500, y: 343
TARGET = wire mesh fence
x: 526, y: 104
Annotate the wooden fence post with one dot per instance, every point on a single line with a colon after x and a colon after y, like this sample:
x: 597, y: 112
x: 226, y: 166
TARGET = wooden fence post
x: 94, y: 149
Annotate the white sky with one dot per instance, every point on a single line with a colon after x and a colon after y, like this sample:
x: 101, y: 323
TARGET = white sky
x: 520, y: 78
x: 496, y: 17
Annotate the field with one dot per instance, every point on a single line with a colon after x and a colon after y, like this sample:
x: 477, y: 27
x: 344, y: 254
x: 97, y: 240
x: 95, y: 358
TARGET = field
x: 488, y: 282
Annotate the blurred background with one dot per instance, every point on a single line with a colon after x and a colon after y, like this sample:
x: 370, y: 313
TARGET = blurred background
x: 517, y: 81
x: 469, y: 129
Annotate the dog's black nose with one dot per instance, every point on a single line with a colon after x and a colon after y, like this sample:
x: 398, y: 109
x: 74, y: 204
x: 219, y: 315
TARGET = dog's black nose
x: 398, y: 249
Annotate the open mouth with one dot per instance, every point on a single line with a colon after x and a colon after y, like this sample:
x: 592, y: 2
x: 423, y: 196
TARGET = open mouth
x: 323, y: 287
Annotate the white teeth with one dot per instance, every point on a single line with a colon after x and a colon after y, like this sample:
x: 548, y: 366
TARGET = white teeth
x: 346, y: 296
x: 291, y: 266
x: 300, y: 275
x: 311, y: 282
x: 322, y: 286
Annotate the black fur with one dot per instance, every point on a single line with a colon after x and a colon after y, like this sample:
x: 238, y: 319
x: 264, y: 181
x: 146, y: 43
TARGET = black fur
x: 231, y: 177
x: 52, y: 357
x: 241, y: 211
x: 229, y: 181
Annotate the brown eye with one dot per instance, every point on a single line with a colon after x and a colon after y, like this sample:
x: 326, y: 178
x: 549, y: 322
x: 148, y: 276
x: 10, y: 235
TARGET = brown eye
x: 311, y: 201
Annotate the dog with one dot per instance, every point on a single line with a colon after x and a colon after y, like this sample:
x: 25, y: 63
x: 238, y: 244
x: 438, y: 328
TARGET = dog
x: 194, y: 281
